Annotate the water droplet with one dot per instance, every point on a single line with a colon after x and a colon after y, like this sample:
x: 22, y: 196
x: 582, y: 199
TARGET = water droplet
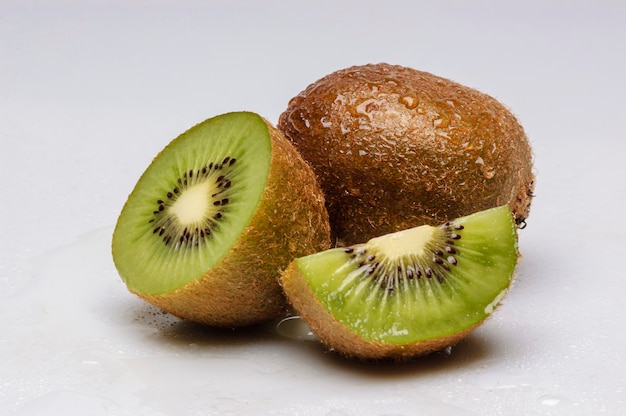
x: 409, y: 102
x: 367, y: 107
x: 341, y: 99
x: 553, y: 400
x: 550, y: 401
x: 293, y: 327
x: 489, y: 172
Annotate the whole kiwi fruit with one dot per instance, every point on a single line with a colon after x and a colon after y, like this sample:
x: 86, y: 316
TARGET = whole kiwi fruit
x: 215, y: 218
x: 394, y: 147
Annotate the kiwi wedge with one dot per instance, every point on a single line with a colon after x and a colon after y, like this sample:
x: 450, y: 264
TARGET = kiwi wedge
x: 214, y: 219
x: 407, y: 293
x: 395, y: 148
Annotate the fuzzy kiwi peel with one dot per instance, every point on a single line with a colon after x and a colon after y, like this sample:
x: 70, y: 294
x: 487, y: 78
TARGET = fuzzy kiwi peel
x: 213, y: 220
x: 395, y: 147
x: 407, y: 293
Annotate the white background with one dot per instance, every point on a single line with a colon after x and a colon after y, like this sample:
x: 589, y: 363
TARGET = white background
x: 91, y: 90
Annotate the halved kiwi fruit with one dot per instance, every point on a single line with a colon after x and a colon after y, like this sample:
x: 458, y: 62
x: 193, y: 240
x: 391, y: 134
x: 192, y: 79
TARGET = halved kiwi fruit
x: 215, y: 218
x: 395, y: 147
x: 407, y: 293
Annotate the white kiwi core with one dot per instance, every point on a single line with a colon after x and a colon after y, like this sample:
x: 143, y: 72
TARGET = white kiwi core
x: 193, y: 204
x: 404, y: 243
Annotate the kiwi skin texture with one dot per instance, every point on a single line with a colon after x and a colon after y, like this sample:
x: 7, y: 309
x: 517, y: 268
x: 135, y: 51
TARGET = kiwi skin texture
x: 243, y: 289
x: 395, y: 147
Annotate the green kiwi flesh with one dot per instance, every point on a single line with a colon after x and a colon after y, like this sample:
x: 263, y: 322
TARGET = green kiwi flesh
x: 407, y: 293
x: 212, y: 220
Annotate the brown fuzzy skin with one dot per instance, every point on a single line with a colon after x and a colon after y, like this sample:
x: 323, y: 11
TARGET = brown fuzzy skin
x: 243, y: 288
x: 394, y: 148
x: 340, y: 338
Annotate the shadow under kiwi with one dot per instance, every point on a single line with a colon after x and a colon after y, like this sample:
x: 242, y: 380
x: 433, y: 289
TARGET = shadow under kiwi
x: 176, y: 331
x: 465, y: 353
x: 172, y: 330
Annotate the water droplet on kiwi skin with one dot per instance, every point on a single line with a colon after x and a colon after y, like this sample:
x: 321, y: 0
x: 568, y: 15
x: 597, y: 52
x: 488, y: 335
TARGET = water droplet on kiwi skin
x: 488, y: 171
x: 409, y: 101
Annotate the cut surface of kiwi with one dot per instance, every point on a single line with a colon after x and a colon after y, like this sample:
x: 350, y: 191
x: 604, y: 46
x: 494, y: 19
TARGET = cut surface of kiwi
x: 395, y: 147
x: 410, y: 292
x: 194, y: 200
x: 212, y: 220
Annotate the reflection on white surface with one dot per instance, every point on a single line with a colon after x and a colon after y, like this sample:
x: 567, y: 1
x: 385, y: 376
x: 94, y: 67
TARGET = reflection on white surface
x: 87, y: 346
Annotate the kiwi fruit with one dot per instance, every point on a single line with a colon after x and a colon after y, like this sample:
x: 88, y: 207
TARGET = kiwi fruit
x: 395, y: 147
x: 214, y: 219
x: 407, y: 293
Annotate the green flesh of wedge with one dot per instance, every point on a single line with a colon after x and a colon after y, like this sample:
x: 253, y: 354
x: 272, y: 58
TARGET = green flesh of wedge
x: 201, y: 191
x: 418, y: 284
